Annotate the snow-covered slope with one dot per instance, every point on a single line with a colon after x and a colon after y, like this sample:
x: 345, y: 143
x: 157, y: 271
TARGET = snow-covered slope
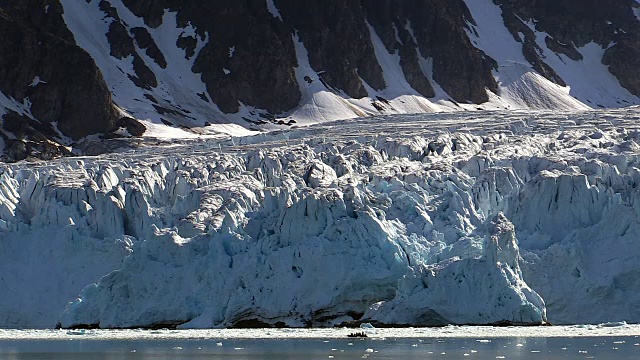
x: 183, y: 93
x: 168, y: 70
x: 423, y: 219
x: 179, y: 95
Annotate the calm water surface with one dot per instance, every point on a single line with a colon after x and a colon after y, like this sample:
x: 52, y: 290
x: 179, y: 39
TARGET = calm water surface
x: 611, y: 348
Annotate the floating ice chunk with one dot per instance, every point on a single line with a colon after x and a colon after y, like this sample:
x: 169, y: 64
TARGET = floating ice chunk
x: 613, y: 324
x: 77, y: 332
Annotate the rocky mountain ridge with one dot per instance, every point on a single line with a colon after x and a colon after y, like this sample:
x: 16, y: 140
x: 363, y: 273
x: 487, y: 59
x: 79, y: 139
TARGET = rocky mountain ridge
x: 70, y: 69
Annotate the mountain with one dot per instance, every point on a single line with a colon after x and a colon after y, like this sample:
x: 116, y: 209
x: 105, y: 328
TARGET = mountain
x: 71, y: 69
x: 466, y: 162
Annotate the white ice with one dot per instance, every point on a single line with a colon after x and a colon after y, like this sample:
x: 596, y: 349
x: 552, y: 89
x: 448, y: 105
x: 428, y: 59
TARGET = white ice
x: 317, y: 224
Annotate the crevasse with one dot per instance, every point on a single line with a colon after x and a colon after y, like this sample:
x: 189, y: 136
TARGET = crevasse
x: 512, y: 222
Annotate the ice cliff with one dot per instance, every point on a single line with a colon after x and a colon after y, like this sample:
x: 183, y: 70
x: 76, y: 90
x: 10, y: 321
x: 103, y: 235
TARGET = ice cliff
x: 486, y: 289
x: 422, y: 220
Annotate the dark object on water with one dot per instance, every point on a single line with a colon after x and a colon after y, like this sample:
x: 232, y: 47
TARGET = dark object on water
x: 358, y: 335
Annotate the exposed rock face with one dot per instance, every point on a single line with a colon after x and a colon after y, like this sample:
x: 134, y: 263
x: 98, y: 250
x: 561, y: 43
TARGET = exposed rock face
x: 339, y: 43
x: 51, y: 80
x: 133, y: 126
x: 41, y: 14
x: 178, y: 63
x: 624, y: 62
x: 434, y: 29
x: 122, y: 46
x: 609, y: 23
x: 329, y: 30
x: 261, y: 66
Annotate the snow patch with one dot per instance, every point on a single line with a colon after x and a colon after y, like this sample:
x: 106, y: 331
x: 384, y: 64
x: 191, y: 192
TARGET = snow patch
x: 179, y: 89
x: 409, y: 28
x: 9, y: 103
x: 590, y: 81
x: 37, y: 81
x: 522, y: 88
x: 271, y: 6
x: 493, y: 36
x: 590, y: 84
x: 397, y: 34
x: 401, y: 97
x: 441, y: 97
x: 318, y: 103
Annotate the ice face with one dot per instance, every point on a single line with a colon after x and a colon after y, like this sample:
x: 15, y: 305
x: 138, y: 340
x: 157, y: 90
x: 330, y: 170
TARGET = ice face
x: 424, y: 219
x: 487, y: 289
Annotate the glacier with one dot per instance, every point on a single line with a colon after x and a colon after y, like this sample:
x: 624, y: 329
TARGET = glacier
x: 431, y: 219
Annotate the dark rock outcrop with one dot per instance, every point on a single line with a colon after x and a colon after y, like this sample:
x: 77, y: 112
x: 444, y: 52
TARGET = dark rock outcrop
x: 52, y: 79
x: 121, y: 43
x: 122, y: 46
x: 57, y: 84
x: 261, y: 70
x: 146, y: 42
x: 609, y: 23
x: 133, y: 126
x: 329, y: 30
x: 623, y: 60
x: 44, y: 15
x: 338, y: 40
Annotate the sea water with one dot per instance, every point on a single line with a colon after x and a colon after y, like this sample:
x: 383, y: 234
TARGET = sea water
x: 443, y: 343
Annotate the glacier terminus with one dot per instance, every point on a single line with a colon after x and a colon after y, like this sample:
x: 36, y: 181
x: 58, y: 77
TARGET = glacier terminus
x: 423, y: 220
